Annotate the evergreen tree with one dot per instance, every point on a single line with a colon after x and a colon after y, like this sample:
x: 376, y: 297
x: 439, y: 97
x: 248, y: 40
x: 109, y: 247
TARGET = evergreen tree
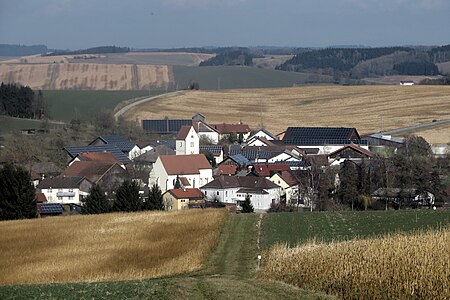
x: 127, y: 197
x: 247, y: 206
x: 348, y: 188
x: 96, y: 202
x: 155, y: 199
x: 17, y: 194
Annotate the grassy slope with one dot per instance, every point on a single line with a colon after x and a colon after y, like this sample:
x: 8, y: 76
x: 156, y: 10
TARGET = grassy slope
x: 233, y: 77
x: 229, y: 274
x: 293, y: 228
x: 63, y: 102
x: 8, y: 124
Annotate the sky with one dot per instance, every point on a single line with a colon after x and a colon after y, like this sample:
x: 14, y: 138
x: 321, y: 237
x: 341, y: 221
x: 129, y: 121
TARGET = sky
x: 79, y: 24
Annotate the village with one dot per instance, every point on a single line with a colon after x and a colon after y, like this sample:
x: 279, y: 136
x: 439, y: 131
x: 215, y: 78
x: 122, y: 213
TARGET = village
x: 196, y: 164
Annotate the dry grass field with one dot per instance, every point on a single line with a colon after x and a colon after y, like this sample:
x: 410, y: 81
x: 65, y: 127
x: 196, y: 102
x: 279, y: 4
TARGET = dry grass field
x: 400, y: 266
x: 368, y: 108
x: 87, y: 76
x: 107, y: 247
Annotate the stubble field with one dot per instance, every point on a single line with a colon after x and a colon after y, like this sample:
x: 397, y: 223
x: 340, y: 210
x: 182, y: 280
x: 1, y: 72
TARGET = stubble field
x: 368, y: 108
x: 107, y: 247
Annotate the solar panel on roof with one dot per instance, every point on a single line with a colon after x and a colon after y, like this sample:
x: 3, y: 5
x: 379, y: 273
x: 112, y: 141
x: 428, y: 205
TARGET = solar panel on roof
x: 50, y: 208
x: 118, y: 154
x: 164, y: 125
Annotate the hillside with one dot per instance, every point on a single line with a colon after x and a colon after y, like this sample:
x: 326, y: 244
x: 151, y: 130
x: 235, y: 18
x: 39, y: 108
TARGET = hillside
x: 368, y: 108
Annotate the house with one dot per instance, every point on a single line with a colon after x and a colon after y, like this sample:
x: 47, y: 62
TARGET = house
x: 114, y: 150
x: 379, y: 141
x: 177, y: 199
x: 148, y: 158
x: 237, y: 160
x: 350, y: 152
x: 326, y: 139
x: 267, y: 170
x: 215, y: 150
x: 144, y: 146
x: 64, y: 189
x: 288, y: 183
x: 105, y: 174
x: 259, y: 142
x: 128, y: 148
x: 263, y: 133
x: 206, y: 132
x: 104, y: 157
x: 225, y: 170
x: 234, y: 189
x: 195, y: 168
x: 187, y: 141
x: 242, y: 131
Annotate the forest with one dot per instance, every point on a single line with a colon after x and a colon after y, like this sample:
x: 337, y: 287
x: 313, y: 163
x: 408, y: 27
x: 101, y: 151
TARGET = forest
x: 22, y: 102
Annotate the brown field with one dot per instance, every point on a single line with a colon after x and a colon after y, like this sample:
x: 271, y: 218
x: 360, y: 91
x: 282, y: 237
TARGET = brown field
x: 271, y: 61
x: 393, y: 267
x: 368, y: 108
x: 395, y: 79
x: 87, y: 76
x: 107, y: 247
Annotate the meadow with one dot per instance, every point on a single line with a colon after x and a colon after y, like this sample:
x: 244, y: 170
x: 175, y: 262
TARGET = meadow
x: 368, y: 108
x: 63, y: 103
x: 294, y: 228
x: 107, y: 247
x: 235, y: 77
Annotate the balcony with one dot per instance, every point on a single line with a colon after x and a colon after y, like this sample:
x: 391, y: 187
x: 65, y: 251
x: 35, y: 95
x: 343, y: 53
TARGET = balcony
x: 65, y: 194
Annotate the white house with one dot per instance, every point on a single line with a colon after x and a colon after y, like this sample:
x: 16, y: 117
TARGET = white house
x: 64, y: 190
x: 193, y: 170
x: 288, y: 184
x: 234, y: 189
x: 207, y: 132
x: 264, y: 134
x: 187, y: 141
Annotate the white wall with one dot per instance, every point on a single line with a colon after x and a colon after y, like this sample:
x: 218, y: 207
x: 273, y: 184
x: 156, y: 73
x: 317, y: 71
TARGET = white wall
x: 63, y: 196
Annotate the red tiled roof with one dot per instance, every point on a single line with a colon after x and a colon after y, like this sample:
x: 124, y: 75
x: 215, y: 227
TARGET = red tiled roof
x: 184, y: 181
x: 263, y: 170
x: 98, y: 156
x: 225, y: 170
x: 354, y: 147
x: 92, y: 170
x: 229, y: 128
x: 184, y: 164
x: 40, y: 197
x: 288, y: 178
x: 192, y: 194
x: 183, y: 133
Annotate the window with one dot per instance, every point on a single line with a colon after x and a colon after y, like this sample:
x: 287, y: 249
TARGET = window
x: 70, y: 190
x: 217, y: 193
x: 60, y: 190
x: 226, y: 193
x: 50, y: 198
x: 183, y: 200
x: 206, y: 192
x: 49, y: 190
x: 60, y: 198
x: 192, y: 144
x: 70, y: 197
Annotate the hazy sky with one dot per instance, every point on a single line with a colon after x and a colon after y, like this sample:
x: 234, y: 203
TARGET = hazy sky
x: 79, y: 24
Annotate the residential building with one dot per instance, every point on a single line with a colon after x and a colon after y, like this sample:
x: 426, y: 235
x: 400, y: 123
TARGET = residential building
x: 215, y: 150
x: 194, y: 169
x: 350, y: 152
x: 178, y: 199
x: 289, y: 185
x: 128, y: 148
x: 187, y: 141
x: 64, y: 189
x: 242, y: 131
x: 234, y: 189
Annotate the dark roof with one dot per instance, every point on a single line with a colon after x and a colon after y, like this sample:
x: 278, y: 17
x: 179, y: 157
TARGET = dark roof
x: 164, y: 126
x: 119, y: 141
x: 252, y: 191
x: 50, y: 208
x: 240, y: 159
x: 320, y: 135
x: 216, y: 150
x: 267, y: 132
x: 223, y: 182
x: 92, y: 170
x: 203, y: 127
x: 106, y: 157
x: 256, y: 152
x: 118, y: 154
x: 353, y: 147
x: 152, y: 155
x: 61, y: 182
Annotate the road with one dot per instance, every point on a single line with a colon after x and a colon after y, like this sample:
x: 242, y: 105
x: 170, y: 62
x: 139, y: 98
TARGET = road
x: 124, y: 109
x: 417, y: 127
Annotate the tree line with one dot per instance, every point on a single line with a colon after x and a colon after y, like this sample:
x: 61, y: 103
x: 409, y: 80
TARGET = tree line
x: 94, y: 50
x: 362, y: 62
x: 410, y: 168
x: 18, y: 197
x: 22, y: 102
x: 239, y: 57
